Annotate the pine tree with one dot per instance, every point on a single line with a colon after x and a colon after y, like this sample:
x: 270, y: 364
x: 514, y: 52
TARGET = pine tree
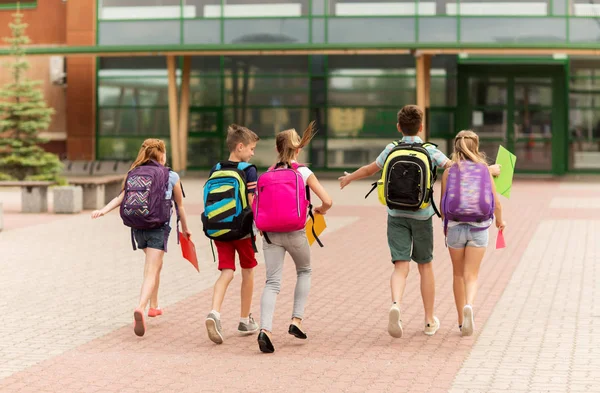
x: 23, y: 114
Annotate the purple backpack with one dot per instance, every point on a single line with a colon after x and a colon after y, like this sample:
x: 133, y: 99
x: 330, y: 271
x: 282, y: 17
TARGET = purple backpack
x: 469, y: 196
x: 144, y: 205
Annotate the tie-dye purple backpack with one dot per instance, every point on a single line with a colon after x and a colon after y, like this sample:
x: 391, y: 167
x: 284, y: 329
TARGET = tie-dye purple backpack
x: 144, y: 205
x: 469, y: 196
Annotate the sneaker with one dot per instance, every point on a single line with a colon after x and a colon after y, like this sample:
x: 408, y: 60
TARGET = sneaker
x: 468, y: 322
x: 248, y: 328
x: 431, y: 328
x: 213, y: 327
x: 154, y: 312
x: 395, y: 324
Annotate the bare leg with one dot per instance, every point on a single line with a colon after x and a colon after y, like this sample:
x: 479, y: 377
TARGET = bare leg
x: 427, y: 290
x: 247, y: 290
x: 220, y: 288
x: 473, y: 258
x: 458, y: 266
x: 398, y: 280
x: 154, y: 260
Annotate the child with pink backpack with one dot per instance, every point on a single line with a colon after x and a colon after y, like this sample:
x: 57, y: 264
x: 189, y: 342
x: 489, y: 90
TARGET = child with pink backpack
x: 469, y: 204
x: 280, y: 208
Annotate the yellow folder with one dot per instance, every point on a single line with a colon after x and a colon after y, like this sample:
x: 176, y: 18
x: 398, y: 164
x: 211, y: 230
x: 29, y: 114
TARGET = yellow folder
x: 319, y: 227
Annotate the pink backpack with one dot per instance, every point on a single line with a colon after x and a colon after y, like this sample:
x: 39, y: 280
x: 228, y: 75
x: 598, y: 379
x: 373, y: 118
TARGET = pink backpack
x: 282, y: 200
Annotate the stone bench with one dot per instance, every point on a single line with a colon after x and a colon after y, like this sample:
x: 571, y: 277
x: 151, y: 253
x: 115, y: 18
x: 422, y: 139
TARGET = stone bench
x: 34, y: 194
x: 97, y: 190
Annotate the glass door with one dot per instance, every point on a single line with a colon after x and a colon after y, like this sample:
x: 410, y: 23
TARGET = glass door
x: 206, y: 136
x: 521, y: 107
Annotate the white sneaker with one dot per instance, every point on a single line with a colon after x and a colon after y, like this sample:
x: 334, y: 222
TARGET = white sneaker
x: 468, y: 321
x: 431, y: 328
x: 395, y: 324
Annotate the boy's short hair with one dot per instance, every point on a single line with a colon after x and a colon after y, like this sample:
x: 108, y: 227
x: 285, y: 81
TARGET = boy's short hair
x: 410, y: 118
x: 239, y: 134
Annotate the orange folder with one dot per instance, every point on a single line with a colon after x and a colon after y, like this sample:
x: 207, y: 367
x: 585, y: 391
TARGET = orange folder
x: 319, y: 225
x: 188, y: 250
x: 500, y: 243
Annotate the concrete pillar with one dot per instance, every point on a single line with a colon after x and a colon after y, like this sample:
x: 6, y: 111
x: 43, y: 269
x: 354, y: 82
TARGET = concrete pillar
x: 34, y: 199
x: 93, y: 196
x: 68, y: 199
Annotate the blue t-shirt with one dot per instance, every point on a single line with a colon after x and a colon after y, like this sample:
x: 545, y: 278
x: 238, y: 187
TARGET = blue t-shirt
x: 173, y: 179
x: 437, y: 157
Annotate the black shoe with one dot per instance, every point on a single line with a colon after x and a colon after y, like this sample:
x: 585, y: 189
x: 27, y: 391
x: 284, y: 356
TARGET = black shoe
x: 296, y: 332
x: 264, y: 343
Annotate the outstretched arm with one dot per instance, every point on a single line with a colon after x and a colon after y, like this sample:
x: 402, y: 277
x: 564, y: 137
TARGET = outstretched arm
x: 110, y: 206
x: 326, y: 202
x: 361, y: 173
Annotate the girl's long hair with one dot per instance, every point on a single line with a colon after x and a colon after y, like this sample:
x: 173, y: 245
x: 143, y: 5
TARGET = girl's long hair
x: 466, y: 148
x: 151, y: 149
x: 288, y: 142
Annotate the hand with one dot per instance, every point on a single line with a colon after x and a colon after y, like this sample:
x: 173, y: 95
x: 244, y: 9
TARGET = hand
x: 500, y: 225
x: 187, y: 233
x: 321, y: 210
x: 495, y: 170
x: 97, y: 214
x: 344, y: 180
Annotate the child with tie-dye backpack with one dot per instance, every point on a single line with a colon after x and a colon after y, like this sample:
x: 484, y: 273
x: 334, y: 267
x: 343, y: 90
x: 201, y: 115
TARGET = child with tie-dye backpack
x: 469, y: 204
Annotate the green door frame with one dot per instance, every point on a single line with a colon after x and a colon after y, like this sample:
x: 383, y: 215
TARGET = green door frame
x: 557, y: 72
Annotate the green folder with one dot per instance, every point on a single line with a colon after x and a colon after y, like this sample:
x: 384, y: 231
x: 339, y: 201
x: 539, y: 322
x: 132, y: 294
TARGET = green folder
x: 507, y: 162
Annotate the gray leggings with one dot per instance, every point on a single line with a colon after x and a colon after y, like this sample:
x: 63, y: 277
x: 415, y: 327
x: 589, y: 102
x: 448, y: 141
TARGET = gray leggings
x: 296, y: 244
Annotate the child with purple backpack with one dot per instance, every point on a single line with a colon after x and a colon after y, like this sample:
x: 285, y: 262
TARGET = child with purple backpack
x: 146, y: 207
x: 469, y: 203
x: 280, y: 208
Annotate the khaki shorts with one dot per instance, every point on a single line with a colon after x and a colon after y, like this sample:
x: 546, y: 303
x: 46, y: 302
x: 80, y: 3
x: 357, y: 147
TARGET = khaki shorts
x: 410, y: 239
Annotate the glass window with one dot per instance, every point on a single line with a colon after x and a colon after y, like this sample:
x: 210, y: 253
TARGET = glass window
x: 201, y: 9
x: 584, y: 29
x: 267, y: 122
x: 133, y: 121
x: 488, y: 91
x: 263, y: 8
x: 498, y: 7
x: 157, y: 32
x: 485, y: 30
x: 266, y: 31
x: 437, y: 29
x: 360, y: 30
x: 385, y: 7
x: 10, y: 4
x: 122, y: 148
x: 202, y: 31
x: 139, y: 9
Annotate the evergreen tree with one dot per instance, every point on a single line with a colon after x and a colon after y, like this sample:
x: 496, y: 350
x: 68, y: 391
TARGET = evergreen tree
x: 23, y: 114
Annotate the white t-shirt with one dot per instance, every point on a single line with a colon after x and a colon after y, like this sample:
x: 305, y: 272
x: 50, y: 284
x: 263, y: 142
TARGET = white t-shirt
x: 305, y: 172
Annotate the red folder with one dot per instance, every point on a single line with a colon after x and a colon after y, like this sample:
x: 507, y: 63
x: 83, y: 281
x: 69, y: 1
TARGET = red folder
x: 188, y: 250
x: 500, y: 243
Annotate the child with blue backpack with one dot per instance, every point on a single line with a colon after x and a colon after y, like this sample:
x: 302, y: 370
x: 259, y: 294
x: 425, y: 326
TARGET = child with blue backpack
x: 146, y: 207
x: 469, y: 204
x: 281, y: 207
x: 228, y: 221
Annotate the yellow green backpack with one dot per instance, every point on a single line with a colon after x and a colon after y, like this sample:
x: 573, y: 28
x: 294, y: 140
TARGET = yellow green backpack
x: 407, y: 178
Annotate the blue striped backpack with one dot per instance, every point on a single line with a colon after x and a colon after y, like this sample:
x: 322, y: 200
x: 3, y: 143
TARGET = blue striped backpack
x: 227, y: 214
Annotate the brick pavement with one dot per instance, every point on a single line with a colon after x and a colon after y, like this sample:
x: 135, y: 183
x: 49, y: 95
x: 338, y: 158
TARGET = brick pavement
x: 75, y: 290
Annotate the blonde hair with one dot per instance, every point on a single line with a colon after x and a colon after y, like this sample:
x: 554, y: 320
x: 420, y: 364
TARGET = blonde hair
x: 466, y: 148
x: 237, y: 134
x: 151, y: 149
x: 288, y: 142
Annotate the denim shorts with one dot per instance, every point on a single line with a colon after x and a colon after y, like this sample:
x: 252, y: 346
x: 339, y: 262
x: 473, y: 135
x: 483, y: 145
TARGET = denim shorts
x: 465, y: 235
x: 152, y: 238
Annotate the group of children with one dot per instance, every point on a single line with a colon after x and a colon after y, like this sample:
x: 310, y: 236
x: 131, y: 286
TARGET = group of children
x: 239, y: 205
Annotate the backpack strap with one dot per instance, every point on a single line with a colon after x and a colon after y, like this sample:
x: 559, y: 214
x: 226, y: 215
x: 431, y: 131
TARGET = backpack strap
x: 133, y: 240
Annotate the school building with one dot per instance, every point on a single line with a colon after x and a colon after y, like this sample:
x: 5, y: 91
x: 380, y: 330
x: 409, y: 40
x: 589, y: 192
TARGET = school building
x: 524, y: 74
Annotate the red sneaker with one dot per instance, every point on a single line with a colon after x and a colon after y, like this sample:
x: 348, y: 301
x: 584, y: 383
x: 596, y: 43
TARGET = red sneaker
x: 139, y: 324
x: 154, y: 312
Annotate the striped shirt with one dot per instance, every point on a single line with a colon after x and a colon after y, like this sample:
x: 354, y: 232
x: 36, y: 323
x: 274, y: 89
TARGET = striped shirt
x: 438, y: 158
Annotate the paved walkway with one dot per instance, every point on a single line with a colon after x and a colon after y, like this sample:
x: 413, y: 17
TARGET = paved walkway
x: 69, y: 285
